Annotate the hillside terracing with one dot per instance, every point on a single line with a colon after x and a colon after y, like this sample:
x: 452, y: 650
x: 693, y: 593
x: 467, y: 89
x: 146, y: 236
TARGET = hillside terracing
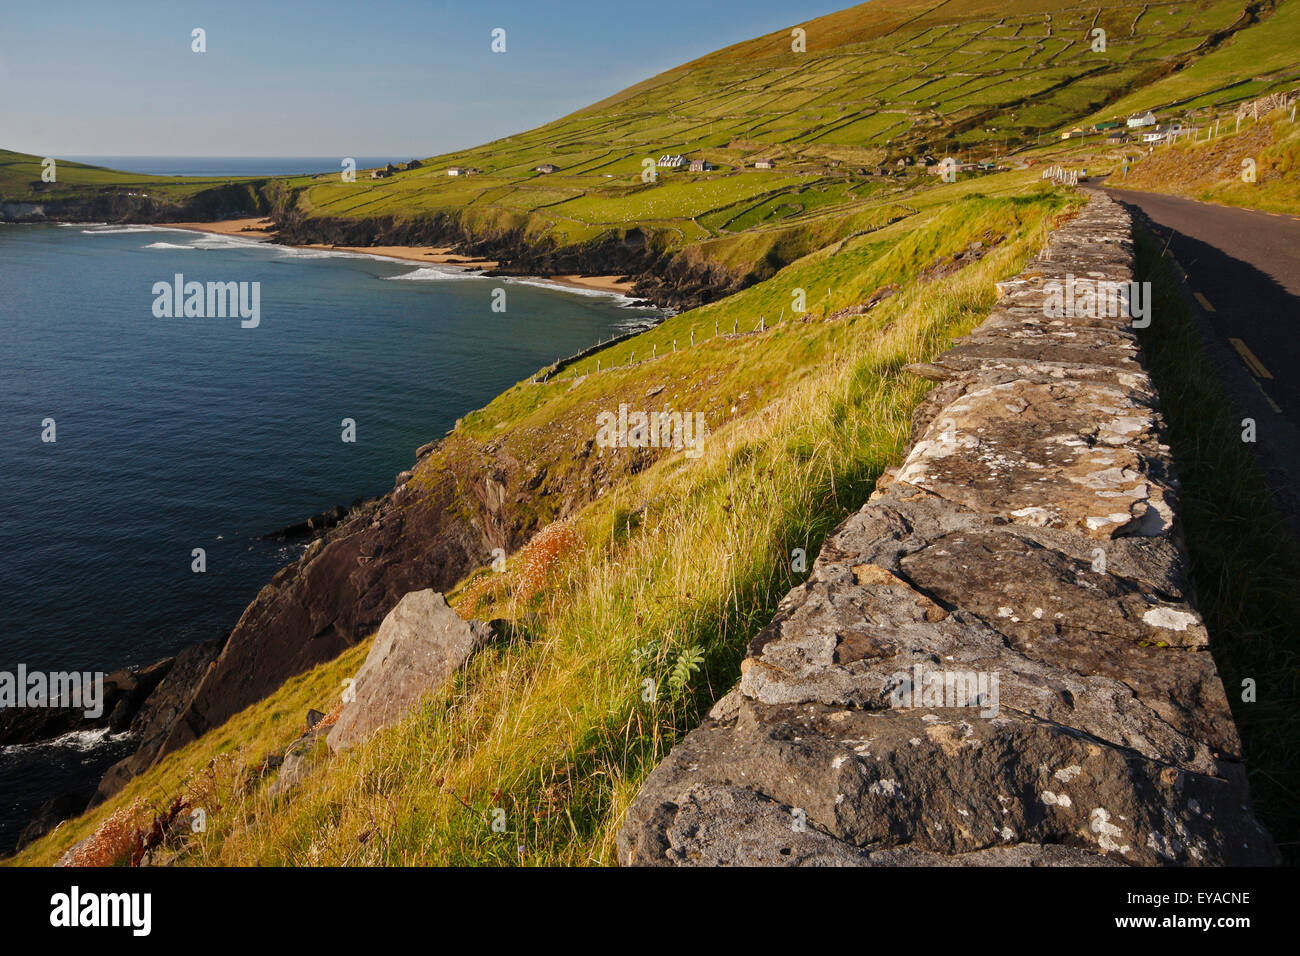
x: 997, y: 660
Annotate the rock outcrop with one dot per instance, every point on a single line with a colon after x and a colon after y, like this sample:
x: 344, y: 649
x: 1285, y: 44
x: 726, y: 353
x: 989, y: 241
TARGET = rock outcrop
x: 300, y: 758
x: 997, y: 660
x: 421, y: 643
x: 60, y: 203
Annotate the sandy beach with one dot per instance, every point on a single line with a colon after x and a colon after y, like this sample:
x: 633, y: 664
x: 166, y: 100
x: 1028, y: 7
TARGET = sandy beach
x: 425, y: 254
x: 616, y: 284
x: 255, y: 228
x: 252, y: 228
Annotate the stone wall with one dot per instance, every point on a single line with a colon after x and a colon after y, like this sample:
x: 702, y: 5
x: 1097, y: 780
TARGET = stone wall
x: 997, y: 660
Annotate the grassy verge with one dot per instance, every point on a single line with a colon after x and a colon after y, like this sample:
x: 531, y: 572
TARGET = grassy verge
x: 1211, y: 170
x: 1244, y: 562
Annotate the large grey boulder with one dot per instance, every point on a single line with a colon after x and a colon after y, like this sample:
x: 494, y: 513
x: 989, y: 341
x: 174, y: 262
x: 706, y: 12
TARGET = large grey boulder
x: 421, y: 643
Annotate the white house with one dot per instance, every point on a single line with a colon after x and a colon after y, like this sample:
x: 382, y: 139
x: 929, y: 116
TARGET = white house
x: 456, y: 171
x: 675, y: 161
x: 1160, y: 133
x: 1141, y: 119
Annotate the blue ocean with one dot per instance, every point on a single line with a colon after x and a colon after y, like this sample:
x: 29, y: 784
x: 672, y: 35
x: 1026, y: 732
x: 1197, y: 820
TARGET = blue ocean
x: 173, y: 434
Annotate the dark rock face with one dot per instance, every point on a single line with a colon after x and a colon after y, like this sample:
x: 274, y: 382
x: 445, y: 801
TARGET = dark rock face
x: 337, y: 593
x: 53, y: 812
x: 94, y: 204
x: 665, y: 279
x: 162, y: 706
x: 997, y: 659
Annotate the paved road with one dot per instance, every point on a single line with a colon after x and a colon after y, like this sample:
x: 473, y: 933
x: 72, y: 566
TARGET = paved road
x: 1243, y: 269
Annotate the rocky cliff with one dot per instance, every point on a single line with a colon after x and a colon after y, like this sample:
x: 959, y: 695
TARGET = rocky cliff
x: 998, y: 659
x: 669, y: 280
x: 119, y: 204
x: 461, y: 499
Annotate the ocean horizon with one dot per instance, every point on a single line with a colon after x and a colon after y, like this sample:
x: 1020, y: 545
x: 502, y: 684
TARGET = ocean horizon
x: 224, y: 166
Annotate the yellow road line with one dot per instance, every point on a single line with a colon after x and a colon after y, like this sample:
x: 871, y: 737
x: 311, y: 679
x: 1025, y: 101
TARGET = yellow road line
x: 1205, y: 303
x: 1254, y: 364
x: 1277, y: 408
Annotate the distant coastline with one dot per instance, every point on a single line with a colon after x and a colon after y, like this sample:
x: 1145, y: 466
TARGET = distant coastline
x: 229, y: 167
x: 263, y: 229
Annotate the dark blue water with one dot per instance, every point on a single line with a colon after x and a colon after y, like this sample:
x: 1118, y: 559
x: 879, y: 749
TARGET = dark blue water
x: 221, y: 166
x: 182, y: 433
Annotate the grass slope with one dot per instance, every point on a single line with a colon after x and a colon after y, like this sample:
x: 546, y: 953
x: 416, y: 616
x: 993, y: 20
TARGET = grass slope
x: 1257, y: 60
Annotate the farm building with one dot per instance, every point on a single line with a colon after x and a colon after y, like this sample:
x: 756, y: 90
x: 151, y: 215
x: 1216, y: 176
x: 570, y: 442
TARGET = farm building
x: 546, y: 168
x: 674, y: 161
x: 764, y: 164
x: 1162, y: 132
x: 701, y: 165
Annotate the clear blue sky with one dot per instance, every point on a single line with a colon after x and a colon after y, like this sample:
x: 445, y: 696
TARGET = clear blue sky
x: 357, y: 78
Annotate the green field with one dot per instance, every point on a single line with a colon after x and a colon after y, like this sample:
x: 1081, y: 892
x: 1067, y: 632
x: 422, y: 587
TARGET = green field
x: 875, y: 83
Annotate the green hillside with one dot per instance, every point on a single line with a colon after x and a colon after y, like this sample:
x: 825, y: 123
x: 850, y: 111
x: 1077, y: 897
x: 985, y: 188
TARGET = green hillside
x: 666, y: 570
x: 882, y: 81
x: 682, y: 560
x: 22, y: 180
x: 873, y: 86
